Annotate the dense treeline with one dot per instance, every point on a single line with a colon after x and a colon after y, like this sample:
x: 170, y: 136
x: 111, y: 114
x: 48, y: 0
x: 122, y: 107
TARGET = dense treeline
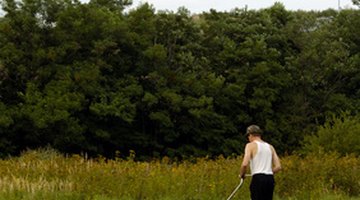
x: 94, y: 78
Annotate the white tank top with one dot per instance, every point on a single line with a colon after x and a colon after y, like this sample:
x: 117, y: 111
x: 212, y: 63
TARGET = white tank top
x: 261, y: 163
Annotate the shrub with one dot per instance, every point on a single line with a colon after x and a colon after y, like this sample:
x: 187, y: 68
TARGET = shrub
x: 338, y: 134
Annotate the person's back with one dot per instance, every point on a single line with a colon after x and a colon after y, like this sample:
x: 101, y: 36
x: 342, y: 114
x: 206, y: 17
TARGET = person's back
x: 261, y: 157
x: 261, y: 163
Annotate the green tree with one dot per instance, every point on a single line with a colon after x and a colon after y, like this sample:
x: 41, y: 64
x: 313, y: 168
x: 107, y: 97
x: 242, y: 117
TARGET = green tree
x: 251, y: 51
x: 356, y: 2
x: 54, y: 55
x: 92, y: 77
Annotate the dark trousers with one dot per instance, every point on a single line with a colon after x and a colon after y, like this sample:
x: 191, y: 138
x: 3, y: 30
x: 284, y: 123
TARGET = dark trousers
x: 262, y: 187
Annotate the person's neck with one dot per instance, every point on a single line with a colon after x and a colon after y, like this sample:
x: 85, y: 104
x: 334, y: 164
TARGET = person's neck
x: 258, y: 139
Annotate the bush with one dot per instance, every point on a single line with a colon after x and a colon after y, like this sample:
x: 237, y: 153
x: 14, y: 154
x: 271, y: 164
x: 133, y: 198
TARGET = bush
x: 338, y: 134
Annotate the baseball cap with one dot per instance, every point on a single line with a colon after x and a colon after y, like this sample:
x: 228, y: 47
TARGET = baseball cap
x: 253, y: 129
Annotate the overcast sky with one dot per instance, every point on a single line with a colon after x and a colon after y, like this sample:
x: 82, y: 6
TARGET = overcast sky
x: 198, y: 6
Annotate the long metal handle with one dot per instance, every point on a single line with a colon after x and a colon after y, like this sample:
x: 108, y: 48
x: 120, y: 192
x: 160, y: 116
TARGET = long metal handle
x: 236, y: 189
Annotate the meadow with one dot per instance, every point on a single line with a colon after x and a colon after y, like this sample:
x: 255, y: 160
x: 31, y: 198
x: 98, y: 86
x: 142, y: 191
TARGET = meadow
x: 46, y: 174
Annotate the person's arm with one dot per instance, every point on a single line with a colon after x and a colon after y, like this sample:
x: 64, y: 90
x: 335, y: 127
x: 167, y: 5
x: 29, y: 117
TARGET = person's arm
x: 246, y: 161
x: 275, y: 161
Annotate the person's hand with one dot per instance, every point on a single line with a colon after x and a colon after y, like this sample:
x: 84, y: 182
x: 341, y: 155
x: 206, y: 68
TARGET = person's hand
x: 242, y: 176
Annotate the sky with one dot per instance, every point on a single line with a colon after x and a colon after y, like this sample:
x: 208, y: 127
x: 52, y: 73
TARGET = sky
x: 198, y: 6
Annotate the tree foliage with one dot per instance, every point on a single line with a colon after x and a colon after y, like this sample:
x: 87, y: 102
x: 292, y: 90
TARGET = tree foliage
x: 92, y: 77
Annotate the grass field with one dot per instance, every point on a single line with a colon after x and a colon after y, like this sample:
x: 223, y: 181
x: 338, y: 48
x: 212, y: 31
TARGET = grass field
x: 45, y: 174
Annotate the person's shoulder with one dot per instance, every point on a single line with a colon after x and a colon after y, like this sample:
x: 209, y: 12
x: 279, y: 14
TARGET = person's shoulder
x: 271, y: 147
x: 251, y: 144
x: 268, y: 144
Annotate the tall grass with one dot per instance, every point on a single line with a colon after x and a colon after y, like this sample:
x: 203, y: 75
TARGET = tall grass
x: 48, y: 175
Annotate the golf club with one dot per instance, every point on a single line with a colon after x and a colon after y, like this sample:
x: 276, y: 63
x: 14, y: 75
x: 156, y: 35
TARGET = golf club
x: 237, y: 187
